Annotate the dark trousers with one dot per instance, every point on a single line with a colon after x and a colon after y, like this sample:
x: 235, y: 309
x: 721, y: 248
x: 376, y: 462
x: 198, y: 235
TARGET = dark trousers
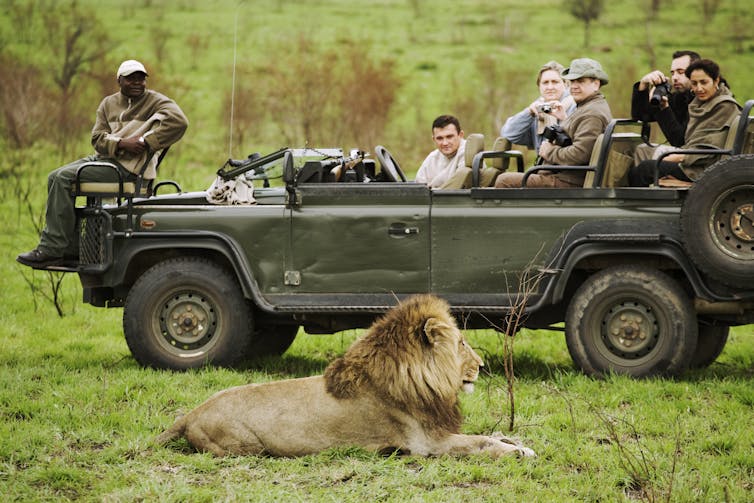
x: 58, y: 237
x: 643, y: 174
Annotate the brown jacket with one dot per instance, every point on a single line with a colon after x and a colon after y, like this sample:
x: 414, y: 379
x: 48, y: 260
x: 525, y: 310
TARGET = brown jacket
x: 153, y: 115
x: 709, y: 122
x: 583, y: 126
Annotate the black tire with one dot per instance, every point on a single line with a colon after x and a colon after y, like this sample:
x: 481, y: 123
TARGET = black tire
x: 271, y: 339
x: 710, y: 343
x: 198, y: 296
x: 717, y: 220
x: 631, y: 320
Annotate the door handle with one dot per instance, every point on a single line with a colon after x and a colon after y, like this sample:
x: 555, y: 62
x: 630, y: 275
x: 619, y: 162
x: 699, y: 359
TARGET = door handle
x: 400, y: 230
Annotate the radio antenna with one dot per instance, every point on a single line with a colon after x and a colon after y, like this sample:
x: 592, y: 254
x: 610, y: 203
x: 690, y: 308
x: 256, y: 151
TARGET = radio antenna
x: 233, y: 83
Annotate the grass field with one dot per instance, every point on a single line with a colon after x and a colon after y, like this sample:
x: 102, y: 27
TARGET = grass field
x: 77, y: 414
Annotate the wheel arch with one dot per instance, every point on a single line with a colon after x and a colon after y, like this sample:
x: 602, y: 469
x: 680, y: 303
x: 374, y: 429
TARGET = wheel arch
x: 146, y: 250
x: 593, y: 255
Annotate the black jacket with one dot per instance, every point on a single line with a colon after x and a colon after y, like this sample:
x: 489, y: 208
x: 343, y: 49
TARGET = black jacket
x: 672, y: 120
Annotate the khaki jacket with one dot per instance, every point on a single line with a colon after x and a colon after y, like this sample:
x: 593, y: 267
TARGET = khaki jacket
x: 709, y: 122
x: 154, y: 116
x: 583, y: 126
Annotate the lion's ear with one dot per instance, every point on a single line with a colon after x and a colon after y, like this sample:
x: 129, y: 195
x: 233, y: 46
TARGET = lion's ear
x: 434, y: 330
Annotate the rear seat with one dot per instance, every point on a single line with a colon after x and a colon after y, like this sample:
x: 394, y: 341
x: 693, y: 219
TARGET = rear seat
x: 618, y: 158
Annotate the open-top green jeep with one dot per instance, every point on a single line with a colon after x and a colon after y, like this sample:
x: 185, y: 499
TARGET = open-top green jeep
x: 647, y: 280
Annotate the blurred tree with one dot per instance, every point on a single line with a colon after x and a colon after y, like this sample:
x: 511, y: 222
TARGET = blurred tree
x: 739, y: 23
x: 709, y: 9
x: 76, y: 38
x: 585, y: 11
x: 318, y: 96
x: 24, y: 99
x: 366, y: 93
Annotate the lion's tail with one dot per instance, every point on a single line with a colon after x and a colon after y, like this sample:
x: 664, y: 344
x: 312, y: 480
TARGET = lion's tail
x: 172, y: 433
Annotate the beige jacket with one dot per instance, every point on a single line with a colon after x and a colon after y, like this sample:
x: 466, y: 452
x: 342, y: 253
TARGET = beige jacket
x: 709, y: 122
x: 583, y: 126
x: 154, y: 116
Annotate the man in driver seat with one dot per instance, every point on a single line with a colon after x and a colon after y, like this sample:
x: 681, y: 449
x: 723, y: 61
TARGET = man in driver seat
x: 441, y: 164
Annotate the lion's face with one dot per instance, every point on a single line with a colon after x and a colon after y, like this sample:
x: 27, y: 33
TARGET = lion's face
x: 416, y: 358
x: 470, y: 364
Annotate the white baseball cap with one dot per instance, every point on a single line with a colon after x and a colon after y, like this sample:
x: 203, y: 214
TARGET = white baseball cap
x: 130, y: 66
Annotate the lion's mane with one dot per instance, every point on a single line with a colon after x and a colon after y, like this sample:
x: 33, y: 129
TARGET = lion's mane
x: 410, y: 358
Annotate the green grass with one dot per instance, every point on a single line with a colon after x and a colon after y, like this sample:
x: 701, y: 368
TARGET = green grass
x: 77, y: 414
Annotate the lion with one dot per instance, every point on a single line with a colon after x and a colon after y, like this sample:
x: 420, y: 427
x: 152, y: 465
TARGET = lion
x: 395, y: 389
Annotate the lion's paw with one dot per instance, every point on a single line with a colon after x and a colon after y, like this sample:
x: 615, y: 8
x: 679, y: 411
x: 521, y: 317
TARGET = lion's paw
x: 525, y: 452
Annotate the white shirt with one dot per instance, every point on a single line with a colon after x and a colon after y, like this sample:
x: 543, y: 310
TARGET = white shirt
x: 437, y: 168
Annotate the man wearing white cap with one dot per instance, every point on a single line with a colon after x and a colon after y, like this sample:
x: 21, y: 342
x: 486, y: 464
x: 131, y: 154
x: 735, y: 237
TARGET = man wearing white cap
x: 132, y: 126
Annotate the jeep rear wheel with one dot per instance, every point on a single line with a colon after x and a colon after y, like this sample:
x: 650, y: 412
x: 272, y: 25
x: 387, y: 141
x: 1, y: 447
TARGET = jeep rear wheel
x: 271, y: 339
x: 185, y: 313
x: 709, y: 345
x: 631, y: 320
x: 717, y: 220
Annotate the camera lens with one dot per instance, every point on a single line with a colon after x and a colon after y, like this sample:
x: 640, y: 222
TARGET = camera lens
x: 660, y: 92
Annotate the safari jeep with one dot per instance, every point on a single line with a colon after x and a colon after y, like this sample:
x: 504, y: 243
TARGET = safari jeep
x: 646, y: 280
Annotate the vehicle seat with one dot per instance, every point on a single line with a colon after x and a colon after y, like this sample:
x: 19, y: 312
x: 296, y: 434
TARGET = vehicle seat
x: 96, y: 192
x: 461, y: 179
x: 488, y: 174
x: 612, y: 161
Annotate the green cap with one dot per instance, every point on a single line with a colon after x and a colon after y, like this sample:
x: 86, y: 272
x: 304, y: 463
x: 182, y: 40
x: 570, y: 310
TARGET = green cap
x: 585, y: 67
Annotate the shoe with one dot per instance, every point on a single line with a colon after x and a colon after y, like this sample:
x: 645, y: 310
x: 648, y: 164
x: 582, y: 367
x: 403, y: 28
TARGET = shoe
x: 38, y: 259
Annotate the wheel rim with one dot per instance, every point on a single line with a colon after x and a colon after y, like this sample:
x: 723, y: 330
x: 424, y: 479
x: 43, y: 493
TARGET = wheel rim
x: 629, y: 332
x: 187, y: 324
x: 732, y: 222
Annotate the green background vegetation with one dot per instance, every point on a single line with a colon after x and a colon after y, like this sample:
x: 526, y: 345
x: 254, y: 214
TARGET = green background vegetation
x: 77, y: 414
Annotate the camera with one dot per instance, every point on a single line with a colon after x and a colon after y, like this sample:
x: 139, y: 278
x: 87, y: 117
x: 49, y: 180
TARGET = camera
x: 557, y: 136
x: 545, y: 108
x: 661, y: 91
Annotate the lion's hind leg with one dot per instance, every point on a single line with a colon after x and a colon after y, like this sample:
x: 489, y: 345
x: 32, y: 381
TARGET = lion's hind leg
x: 224, y: 442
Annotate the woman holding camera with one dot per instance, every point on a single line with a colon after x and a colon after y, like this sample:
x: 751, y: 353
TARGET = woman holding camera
x: 582, y: 128
x: 710, y: 113
x: 527, y: 127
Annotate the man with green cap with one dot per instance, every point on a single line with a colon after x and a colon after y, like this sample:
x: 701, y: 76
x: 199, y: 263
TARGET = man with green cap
x: 582, y: 127
x: 132, y: 127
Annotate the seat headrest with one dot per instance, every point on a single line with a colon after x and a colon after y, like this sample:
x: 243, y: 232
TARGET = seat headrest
x: 501, y: 144
x: 474, y: 145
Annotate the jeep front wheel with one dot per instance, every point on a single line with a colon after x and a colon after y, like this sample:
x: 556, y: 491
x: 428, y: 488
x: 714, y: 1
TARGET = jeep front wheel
x: 185, y: 313
x: 631, y: 320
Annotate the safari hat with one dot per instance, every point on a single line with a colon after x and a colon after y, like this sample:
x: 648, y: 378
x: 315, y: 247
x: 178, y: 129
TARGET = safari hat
x: 130, y: 66
x: 585, y: 67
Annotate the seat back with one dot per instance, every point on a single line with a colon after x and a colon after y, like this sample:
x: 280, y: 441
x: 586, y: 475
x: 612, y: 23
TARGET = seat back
x: 594, y: 160
x: 95, y: 191
x: 730, y: 140
x: 461, y: 179
x: 474, y: 145
x: 612, y: 156
x: 747, y: 146
x: 620, y: 158
x: 741, y: 134
x: 501, y: 144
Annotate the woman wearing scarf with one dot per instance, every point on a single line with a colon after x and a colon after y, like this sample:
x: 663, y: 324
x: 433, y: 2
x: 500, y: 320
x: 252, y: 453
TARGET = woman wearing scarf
x: 710, y: 114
